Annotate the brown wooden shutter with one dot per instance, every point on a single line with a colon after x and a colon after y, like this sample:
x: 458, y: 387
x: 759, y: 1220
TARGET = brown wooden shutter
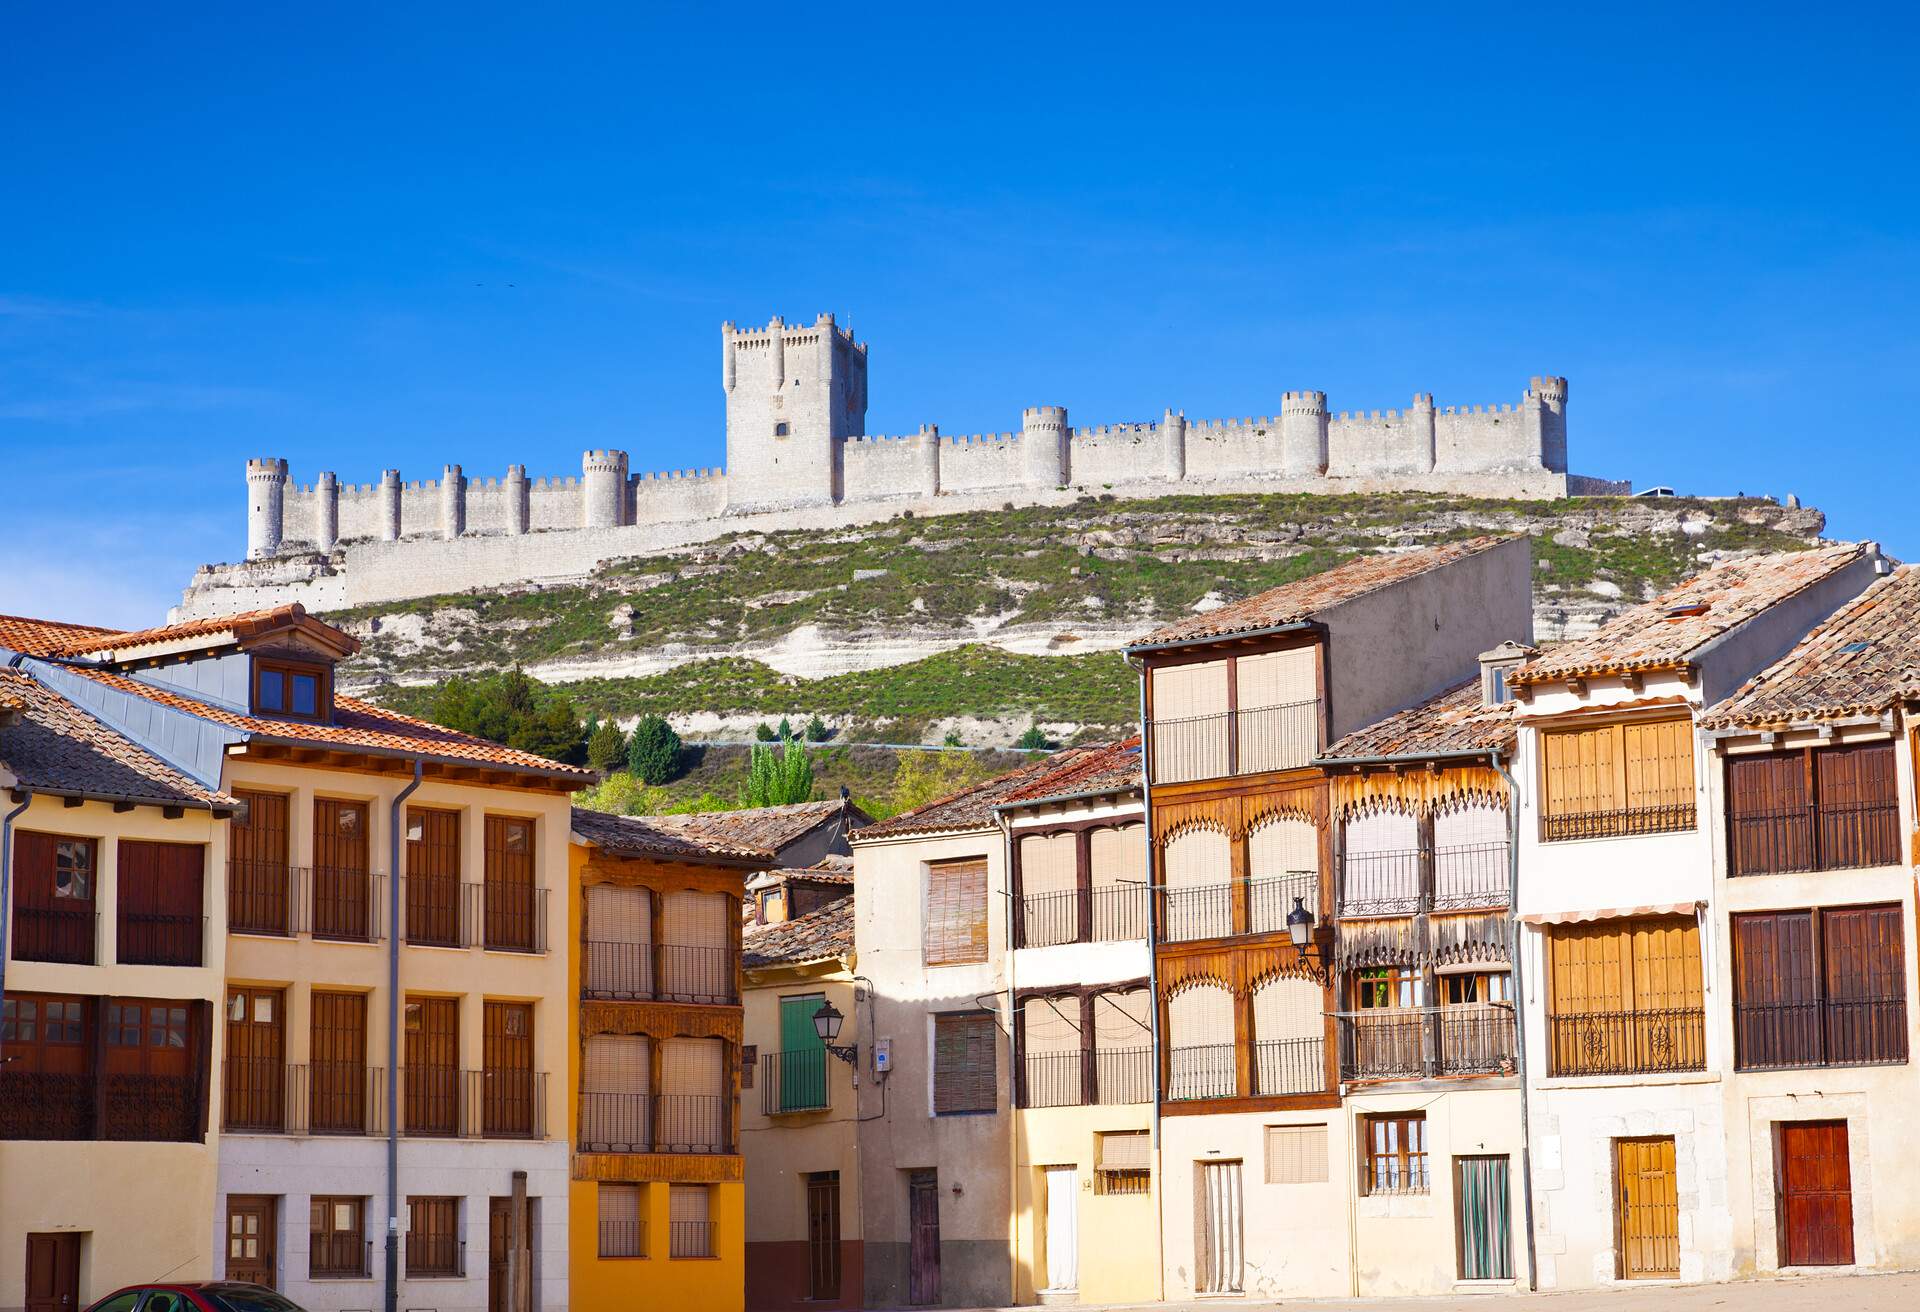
x: 963, y: 1062
x: 1859, y: 816
x: 956, y: 925
x: 1865, y: 984
x: 1659, y: 763
x: 1582, y: 770
x: 1773, y: 988
x: 1767, y: 823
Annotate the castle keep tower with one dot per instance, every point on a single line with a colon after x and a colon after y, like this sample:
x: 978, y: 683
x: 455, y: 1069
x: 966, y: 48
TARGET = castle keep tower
x: 603, y: 475
x: 266, y: 506
x: 1303, y: 434
x: 793, y: 396
x: 1043, y: 445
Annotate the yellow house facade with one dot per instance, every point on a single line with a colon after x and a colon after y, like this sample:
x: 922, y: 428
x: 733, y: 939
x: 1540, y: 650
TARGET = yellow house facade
x: 88, y: 1099
x: 657, y: 1193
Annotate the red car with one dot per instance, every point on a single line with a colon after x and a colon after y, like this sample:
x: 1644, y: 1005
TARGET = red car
x: 196, y: 1296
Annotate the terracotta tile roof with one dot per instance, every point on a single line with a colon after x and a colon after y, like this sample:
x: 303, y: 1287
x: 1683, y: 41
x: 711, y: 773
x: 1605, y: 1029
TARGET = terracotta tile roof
x: 356, y: 724
x: 1862, y: 660
x: 1667, y: 632
x: 821, y: 935
x: 972, y: 808
x: 765, y: 827
x: 1099, y: 768
x: 45, y: 637
x: 55, y: 747
x: 246, y: 624
x: 1455, y: 721
x: 1296, y: 602
x: 642, y: 836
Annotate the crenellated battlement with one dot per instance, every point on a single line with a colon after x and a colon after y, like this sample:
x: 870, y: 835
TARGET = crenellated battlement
x: 796, y: 399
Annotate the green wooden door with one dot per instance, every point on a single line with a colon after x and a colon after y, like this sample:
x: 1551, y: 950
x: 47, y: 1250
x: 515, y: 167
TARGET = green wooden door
x: 802, y: 1072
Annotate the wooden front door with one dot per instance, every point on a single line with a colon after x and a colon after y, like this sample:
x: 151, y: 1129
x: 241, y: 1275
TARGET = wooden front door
x: 1816, y: 1194
x: 257, y: 895
x: 255, y: 1083
x: 1648, y: 1219
x: 433, y: 877
x: 499, y: 1235
x: 53, y: 1272
x: 250, y: 1231
x: 338, y: 1066
x: 342, y: 899
x: 923, y: 1228
x: 510, y: 895
x: 432, y: 1089
x: 507, y: 1066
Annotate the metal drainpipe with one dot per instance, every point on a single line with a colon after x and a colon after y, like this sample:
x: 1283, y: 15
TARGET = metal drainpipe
x: 394, y: 814
x: 6, y: 879
x: 1153, y: 985
x: 1519, y: 1010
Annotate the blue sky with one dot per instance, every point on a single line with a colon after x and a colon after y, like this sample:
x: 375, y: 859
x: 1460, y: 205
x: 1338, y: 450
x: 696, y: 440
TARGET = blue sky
x: 410, y: 235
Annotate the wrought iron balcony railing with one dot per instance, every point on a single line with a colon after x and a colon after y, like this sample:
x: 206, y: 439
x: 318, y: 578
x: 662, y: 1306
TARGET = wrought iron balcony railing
x: 1235, y: 742
x: 1650, y: 1042
x: 1086, y: 1077
x: 1412, y: 1043
x: 1622, y: 822
x: 1823, y: 1032
x: 660, y: 972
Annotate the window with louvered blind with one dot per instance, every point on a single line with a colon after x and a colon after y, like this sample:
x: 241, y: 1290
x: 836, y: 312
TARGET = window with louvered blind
x: 1118, y: 858
x: 1289, y: 1037
x: 963, y: 1062
x: 693, y: 1095
x: 1200, y: 1051
x: 619, y: 942
x: 696, y: 958
x: 621, y: 1223
x: 1123, y: 1046
x: 955, y: 931
x: 690, y: 1220
x: 1123, y: 1162
x: 1198, y: 869
x: 1054, y: 1069
x: 615, y: 1098
x: 1616, y: 779
x: 1296, y: 1154
x: 1049, y: 890
x: 1283, y: 863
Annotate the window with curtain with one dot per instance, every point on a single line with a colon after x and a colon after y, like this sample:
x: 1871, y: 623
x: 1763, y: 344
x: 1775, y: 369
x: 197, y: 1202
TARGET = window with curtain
x: 1395, y: 1148
x: 1197, y: 867
x: 1380, y: 869
x: 955, y: 929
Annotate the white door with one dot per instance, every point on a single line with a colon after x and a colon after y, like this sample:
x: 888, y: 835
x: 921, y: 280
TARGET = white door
x: 1219, y: 1228
x: 1063, y: 1239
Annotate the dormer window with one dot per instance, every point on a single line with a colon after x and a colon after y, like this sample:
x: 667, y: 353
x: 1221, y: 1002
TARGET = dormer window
x: 1496, y: 667
x: 290, y: 690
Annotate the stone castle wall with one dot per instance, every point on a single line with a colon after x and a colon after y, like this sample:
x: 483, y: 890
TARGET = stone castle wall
x: 796, y: 442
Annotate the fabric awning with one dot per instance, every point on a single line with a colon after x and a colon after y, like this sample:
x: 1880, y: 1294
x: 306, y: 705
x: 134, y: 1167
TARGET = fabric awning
x: 1611, y: 913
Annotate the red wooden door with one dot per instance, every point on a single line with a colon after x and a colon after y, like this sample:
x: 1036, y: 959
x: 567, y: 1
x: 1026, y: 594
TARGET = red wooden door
x: 53, y: 1273
x: 1816, y: 1194
x: 923, y: 1230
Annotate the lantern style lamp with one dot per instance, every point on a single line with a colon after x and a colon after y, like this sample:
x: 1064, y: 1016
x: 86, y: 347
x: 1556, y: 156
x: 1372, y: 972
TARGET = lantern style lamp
x: 826, y: 1023
x: 1300, y: 929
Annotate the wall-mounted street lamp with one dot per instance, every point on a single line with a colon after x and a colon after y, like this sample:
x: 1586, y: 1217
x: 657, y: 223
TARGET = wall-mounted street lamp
x: 1300, y: 930
x: 826, y: 1023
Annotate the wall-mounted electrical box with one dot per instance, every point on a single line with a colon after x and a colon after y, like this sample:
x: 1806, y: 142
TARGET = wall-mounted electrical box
x: 882, y: 1056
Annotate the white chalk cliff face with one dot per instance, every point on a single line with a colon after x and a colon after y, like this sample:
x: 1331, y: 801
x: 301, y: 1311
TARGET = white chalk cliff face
x: 1063, y: 581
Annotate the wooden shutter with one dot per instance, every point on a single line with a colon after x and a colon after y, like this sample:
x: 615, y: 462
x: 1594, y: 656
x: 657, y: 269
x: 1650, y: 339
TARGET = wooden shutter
x: 1865, y: 984
x: 1775, y: 1006
x: 342, y: 905
x: 963, y: 1062
x: 1296, y: 1154
x: 956, y: 924
x: 1181, y: 692
x: 338, y: 1057
x: 1659, y: 763
x: 162, y: 890
x: 1859, y: 810
x: 1582, y: 771
x: 257, y: 866
x: 1590, y: 976
x: 1197, y: 865
x: 433, y: 877
x: 1277, y: 678
x: 509, y: 883
x: 1125, y: 1150
x: 1767, y: 814
x: 1119, y: 856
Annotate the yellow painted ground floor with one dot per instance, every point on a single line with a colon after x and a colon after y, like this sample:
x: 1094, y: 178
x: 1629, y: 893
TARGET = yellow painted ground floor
x: 645, y: 1245
x: 1085, y: 1216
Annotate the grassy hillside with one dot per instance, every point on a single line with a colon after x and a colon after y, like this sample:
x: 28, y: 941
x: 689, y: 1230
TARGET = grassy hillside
x: 956, y: 590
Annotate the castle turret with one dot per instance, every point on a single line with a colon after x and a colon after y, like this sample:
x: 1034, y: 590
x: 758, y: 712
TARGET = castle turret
x: 930, y: 460
x: 603, y: 492
x: 794, y: 395
x: 266, y: 506
x: 390, y: 505
x: 1303, y: 434
x: 1546, y: 416
x: 1420, y: 450
x: 516, y: 499
x: 326, y: 511
x: 1172, y: 461
x: 453, y: 502
x: 1043, y: 445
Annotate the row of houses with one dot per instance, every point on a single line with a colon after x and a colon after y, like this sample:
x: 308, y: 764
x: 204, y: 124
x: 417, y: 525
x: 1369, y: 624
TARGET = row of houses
x: 304, y: 992
x: 1395, y: 957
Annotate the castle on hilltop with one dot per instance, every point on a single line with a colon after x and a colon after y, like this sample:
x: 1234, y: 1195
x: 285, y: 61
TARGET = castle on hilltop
x: 798, y: 455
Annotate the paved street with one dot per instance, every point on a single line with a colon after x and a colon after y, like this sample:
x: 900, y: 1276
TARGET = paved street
x: 1873, y: 1293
